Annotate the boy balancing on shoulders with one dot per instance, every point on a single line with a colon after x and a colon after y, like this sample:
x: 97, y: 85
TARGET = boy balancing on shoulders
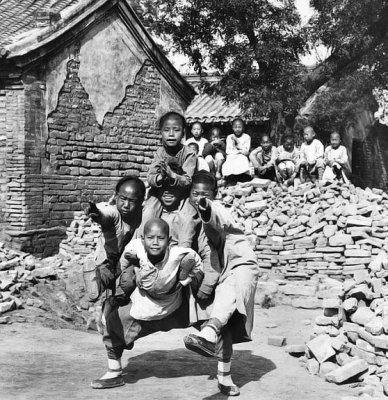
x: 157, y: 298
x: 118, y: 224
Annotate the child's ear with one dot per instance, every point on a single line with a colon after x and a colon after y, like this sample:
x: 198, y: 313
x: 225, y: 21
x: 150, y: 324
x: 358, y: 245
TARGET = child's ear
x: 142, y: 239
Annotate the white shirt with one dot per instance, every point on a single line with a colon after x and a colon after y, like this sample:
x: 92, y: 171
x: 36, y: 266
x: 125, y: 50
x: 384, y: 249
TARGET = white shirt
x: 148, y: 304
x: 311, y: 152
x: 201, y: 143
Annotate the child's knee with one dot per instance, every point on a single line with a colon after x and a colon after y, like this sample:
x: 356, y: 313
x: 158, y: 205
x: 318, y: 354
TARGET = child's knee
x: 128, y: 280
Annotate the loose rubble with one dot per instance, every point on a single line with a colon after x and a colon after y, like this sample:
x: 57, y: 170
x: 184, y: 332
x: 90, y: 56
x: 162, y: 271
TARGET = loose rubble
x: 311, y: 238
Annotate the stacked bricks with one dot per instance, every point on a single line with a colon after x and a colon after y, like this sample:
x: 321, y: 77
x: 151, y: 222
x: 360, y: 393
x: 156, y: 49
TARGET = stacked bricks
x: 81, y: 237
x: 51, y: 174
x: 329, y: 230
x: 126, y: 141
x: 350, y: 339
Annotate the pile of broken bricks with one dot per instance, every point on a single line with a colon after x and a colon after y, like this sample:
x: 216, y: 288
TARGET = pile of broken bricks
x: 310, y: 238
x: 350, y: 339
x: 19, y: 271
x: 81, y: 236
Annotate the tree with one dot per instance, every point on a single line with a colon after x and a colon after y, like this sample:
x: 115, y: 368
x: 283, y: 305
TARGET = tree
x: 255, y: 45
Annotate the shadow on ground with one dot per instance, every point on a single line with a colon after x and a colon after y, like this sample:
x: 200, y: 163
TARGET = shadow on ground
x: 246, y: 367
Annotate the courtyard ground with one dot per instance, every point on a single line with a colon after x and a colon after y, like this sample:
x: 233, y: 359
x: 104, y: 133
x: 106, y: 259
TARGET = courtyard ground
x: 42, y: 363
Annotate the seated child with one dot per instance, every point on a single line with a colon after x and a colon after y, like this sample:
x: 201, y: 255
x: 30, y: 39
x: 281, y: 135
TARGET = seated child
x: 202, y: 165
x: 214, y: 152
x: 336, y: 159
x: 312, y: 164
x: 236, y: 166
x: 118, y: 224
x: 197, y: 131
x: 287, y: 161
x: 264, y: 158
x: 157, y: 267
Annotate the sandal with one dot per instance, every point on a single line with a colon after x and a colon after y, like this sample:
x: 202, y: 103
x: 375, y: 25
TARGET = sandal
x: 92, y: 280
x: 109, y: 383
x: 200, y: 345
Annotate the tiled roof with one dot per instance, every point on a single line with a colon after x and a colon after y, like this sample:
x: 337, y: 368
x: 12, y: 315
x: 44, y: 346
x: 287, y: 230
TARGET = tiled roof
x: 211, y: 109
x: 208, y: 109
x: 18, y: 16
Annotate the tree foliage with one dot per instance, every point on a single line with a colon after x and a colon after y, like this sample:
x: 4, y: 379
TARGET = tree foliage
x: 255, y: 46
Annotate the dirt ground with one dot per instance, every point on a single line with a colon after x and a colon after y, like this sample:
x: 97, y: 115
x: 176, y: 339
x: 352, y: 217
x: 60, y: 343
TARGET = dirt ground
x: 38, y: 362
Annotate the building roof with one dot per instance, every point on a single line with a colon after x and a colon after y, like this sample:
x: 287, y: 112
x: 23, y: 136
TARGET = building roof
x: 18, y: 17
x: 208, y: 109
x: 24, y: 41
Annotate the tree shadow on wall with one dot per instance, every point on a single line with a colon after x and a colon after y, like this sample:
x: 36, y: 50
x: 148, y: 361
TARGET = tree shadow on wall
x: 246, y: 367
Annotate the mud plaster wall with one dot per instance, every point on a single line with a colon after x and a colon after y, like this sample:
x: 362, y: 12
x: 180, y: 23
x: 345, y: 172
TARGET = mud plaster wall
x: 85, y: 126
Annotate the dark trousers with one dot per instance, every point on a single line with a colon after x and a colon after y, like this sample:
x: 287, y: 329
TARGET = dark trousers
x: 122, y: 330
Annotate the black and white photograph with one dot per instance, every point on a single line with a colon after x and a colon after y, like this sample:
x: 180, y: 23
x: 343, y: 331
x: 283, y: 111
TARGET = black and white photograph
x: 193, y: 199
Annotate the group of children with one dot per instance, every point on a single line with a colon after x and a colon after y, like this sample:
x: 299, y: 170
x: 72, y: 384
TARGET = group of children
x: 235, y: 162
x: 174, y: 260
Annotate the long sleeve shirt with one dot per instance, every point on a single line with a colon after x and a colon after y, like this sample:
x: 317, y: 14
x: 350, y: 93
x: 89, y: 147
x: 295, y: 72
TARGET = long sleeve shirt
x: 155, y: 297
x: 185, y: 158
x: 116, y: 233
x: 339, y: 155
x: 263, y: 158
x: 236, y: 145
x: 284, y: 155
x: 311, y: 152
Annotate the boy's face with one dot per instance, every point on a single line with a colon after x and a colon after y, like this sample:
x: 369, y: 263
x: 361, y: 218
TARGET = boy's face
x: 172, y: 131
x: 238, y: 127
x: 200, y: 190
x: 196, y: 130
x: 128, y: 199
x: 215, y: 135
x: 170, y: 197
x: 193, y: 147
x: 308, y: 135
x: 155, y: 241
x: 288, y: 145
x: 335, y: 141
x: 266, y: 143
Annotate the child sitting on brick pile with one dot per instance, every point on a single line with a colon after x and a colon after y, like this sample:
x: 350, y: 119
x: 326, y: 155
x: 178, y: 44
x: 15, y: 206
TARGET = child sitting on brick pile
x: 264, y: 158
x: 214, y: 152
x: 157, y: 299
x: 287, y: 161
x: 236, y: 167
x: 197, y: 131
x: 118, y: 224
x: 336, y: 160
x: 202, y: 165
x: 312, y: 164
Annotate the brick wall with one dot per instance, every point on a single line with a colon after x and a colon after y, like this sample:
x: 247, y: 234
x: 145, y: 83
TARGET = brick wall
x: 56, y: 167
x: 3, y: 151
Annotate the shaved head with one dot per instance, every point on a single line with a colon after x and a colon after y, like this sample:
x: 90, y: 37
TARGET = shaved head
x: 160, y: 223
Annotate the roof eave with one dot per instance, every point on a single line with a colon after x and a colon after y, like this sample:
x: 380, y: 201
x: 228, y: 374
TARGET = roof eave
x: 44, y: 40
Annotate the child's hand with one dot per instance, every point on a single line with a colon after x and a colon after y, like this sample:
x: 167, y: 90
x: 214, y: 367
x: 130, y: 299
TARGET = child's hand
x: 91, y: 210
x: 170, y: 173
x: 186, y: 281
x: 202, y: 296
x: 203, y: 204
